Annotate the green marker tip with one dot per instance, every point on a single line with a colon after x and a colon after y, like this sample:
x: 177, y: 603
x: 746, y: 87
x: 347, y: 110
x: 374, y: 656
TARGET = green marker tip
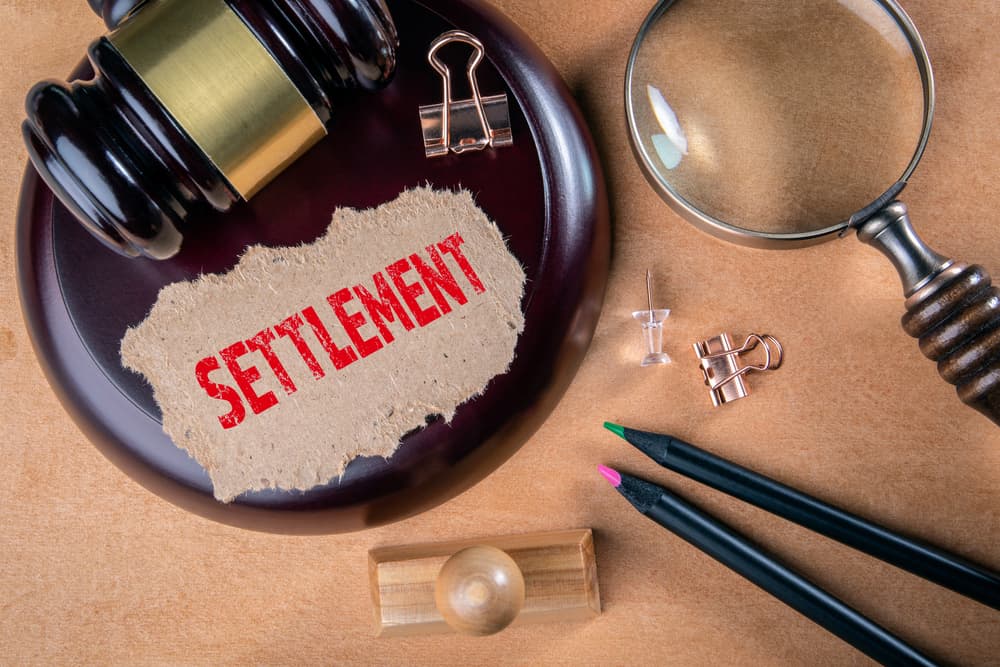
x: 615, y: 428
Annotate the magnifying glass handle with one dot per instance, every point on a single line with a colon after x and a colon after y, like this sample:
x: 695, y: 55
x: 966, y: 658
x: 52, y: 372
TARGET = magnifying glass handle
x: 951, y: 308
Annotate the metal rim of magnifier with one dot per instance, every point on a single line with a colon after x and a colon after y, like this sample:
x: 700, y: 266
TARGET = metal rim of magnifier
x: 758, y: 239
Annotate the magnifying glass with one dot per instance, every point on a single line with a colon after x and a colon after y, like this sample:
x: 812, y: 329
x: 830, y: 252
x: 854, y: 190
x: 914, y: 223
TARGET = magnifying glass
x: 781, y: 125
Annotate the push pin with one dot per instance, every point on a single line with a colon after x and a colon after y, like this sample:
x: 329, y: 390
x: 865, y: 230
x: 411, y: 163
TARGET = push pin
x: 723, y: 371
x: 463, y: 125
x: 652, y: 328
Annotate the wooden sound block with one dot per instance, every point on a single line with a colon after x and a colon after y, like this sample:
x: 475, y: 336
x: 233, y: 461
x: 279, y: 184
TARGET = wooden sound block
x: 472, y: 586
x: 545, y: 192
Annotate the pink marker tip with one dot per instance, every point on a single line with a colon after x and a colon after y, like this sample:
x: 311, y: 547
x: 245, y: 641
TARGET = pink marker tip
x: 611, y: 475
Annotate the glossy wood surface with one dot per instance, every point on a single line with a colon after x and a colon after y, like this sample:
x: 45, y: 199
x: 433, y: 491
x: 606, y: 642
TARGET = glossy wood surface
x: 113, y: 12
x: 545, y: 193
x: 956, y: 318
x: 130, y: 172
x: 479, y: 591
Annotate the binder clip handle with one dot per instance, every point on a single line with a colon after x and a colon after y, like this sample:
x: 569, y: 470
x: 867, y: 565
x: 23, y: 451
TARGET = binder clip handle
x: 772, y: 360
x: 724, y: 370
x: 458, y: 126
x: 478, y: 53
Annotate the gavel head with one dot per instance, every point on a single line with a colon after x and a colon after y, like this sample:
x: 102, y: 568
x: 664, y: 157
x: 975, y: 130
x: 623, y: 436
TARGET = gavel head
x: 197, y: 103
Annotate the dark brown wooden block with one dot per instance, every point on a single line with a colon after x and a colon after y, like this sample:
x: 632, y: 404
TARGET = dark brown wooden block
x: 546, y: 193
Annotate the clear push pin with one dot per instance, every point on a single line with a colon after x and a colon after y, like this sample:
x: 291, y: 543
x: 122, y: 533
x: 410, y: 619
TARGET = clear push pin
x: 652, y: 328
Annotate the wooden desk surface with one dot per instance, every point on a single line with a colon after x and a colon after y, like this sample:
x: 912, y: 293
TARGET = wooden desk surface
x: 94, y: 569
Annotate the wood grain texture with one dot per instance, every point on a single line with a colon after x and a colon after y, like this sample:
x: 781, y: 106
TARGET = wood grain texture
x: 956, y: 318
x: 95, y: 570
x: 479, y: 591
x: 559, y: 570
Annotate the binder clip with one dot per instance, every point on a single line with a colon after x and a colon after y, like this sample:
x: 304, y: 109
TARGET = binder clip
x: 463, y: 125
x: 722, y: 367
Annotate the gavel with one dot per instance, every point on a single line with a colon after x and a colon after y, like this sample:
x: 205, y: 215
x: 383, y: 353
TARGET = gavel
x: 197, y: 103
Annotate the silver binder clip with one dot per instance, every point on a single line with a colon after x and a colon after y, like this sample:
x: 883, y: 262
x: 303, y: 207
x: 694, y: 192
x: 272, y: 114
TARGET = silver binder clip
x: 723, y: 370
x: 463, y: 125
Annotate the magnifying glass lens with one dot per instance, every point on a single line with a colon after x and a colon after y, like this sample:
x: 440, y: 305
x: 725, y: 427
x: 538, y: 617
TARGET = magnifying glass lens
x: 777, y: 117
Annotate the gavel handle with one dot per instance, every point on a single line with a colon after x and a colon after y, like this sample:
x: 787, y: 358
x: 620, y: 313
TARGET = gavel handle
x: 951, y: 307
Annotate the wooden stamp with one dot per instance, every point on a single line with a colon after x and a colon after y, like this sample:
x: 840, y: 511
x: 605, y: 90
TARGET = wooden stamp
x: 479, y: 587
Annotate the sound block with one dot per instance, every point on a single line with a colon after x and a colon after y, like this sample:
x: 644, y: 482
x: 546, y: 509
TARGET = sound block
x: 546, y: 193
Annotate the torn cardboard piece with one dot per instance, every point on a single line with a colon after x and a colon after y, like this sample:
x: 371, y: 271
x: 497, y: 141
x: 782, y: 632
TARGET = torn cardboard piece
x: 277, y: 374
